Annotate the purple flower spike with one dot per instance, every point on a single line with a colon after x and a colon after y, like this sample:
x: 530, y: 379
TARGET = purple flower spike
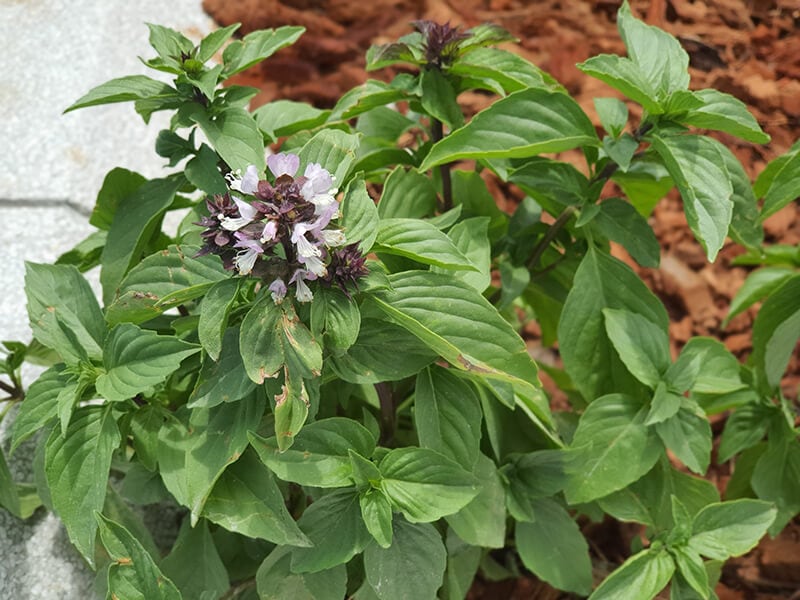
x: 283, y: 164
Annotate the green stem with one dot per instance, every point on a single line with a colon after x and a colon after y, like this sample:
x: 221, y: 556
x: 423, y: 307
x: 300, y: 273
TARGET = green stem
x: 386, y: 400
x: 549, y: 236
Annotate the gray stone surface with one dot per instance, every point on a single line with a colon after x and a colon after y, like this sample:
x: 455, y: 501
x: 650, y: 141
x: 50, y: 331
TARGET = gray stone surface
x: 51, y: 167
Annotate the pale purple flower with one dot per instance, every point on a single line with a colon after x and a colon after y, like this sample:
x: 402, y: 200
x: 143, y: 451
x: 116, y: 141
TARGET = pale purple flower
x: 302, y: 291
x: 247, y: 214
x: 247, y: 184
x: 278, y: 289
x: 334, y: 237
x: 314, y: 264
x: 283, y: 164
x: 305, y: 248
x: 246, y: 258
x: 269, y: 233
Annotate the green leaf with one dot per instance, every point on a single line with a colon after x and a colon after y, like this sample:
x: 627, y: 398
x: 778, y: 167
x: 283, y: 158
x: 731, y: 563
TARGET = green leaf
x: 333, y: 149
x: 335, y: 527
x: 759, y: 284
x: 614, y: 448
x: 362, y: 98
x: 9, y: 496
x: 382, y: 352
x: 202, y: 172
x: 76, y: 466
x: 194, y: 565
x: 416, y: 549
x: 319, y: 456
x: 552, y: 182
x: 235, y: 136
x: 133, y: 574
x: 510, y: 70
x: 281, y: 118
x: 145, y: 425
x: 688, y: 435
x: 40, y: 405
x: 459, y: 324
x: 613, y: 114
x: 723, y: 112
x: 698, y: 169
x: 225, y: 380
x: 407, y: 194
x: 553, y: 548
x: 161, y: 281
x: 744, y: 428
x: 539, y: 474
x: 135, y: 221
x: 214, y: 311
x: 470, y: 237
x: 135, y: 360
x: 621, y: 150
x: 665, y: 404
x: 438, y: 98
x: 659, y: 55
x: 246, y: 500
x: 776, y: 330
x: 169, y: 44
x: 63, y: 311
x: 642, y: 345
x: 214, y: 41
x: 123, y: 89
x: 256, y: 46
x: 620, y: 222
x: 726, y: 529
x: 624, y: 75
x: 291, y: 411
x: 776, y: 477
x: 601, y: 281
x: 276, y: 581
x: 779, y: 183
x: 645, y: 184
x: 193, y: 455
x: 482, y: 522
x: 117, y: 185
x: 642, y: 576
x: 447, y: 414
x: 525, y: 123
x: 359, y: 215
x: 419, y: 241
x: 691, y: 567
x: 424, y: 484
x: 337, y: 317
x: 705, y: 366
x: 376, y: 510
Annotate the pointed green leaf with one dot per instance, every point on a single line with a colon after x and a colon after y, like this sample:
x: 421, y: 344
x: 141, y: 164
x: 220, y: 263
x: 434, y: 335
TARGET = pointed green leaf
x: 412, y: 568
x: 726, y: 529
x: 424, y: 484
x: 510, y: 70
x: 333, y: 149
x: 447, y: 414
x: 554, y: 548
x: 123, y: 89
x: 234, y: 135
x: 421, y: 242
x: 438, y: 98
x: 776, y: 330
x: 136, y: 219
x: 275, y: 580
x: 214, y: 311
x: 698, y: 169
x: 133, y: 574
x: 641, y: 344
x: 118, y: 184
x: 601, y: 281
x: 260, y: 340
x: 335, y: 527
x: 63, y: 311
x: 335, y: 316
x: 376, y: 511
x: 759, y: 284
x: 776, y: 477
x: 135, y: 360
x: 688, y: 435
x: 705, y: 366
x: 779, y: 183
x: 456, y: 322
x: 40, y: 404
x: 723, y: 112
x: 225, y: 380
x: 194, y: 565
x: 359, y: 215
x: 482, y: 522
x: 193, y: 455
x: 643, y: 575
x: 246, y: 500
x: 624, y: 75
x: 407, y: 194
x: 620, y: 222
x: 471, y: 238
x: 614, y: 448
x: 613, y: 114
x: 319, y: 456
x: 256, y: 46
x: 281, y: 118
x: 525, y: 123
x: 76, y: 466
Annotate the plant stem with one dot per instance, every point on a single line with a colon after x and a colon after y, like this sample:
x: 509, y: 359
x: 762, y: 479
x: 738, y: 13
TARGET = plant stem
x: 551, y: 234
x: 386, y: 399
x: 437, y: 133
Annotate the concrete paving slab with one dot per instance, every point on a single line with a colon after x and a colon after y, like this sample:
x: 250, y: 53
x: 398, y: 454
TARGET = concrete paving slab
x: 54, y: 52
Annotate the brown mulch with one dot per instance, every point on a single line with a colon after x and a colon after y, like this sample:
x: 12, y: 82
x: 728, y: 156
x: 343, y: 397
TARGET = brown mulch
x: 748, y: 48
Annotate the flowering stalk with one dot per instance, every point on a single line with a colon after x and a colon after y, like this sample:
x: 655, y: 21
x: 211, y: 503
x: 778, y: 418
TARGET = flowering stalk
x: 285, y: 234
